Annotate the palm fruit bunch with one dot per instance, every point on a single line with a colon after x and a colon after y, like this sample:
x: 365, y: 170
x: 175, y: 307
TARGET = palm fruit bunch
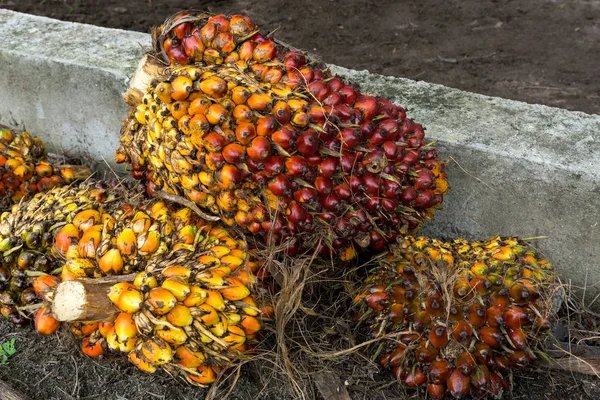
x: 461, y: 314
x: 25, y: 169
x: 272, y: 143
x: 31, y: 236
x: 190, y: 310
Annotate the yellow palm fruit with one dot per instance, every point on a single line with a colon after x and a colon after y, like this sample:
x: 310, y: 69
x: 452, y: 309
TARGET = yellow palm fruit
x: 215, y: 300
x: 111, y: 261
x: 86, y: 218
x: 235, y: 335
x: 211, y: 279
x: 177, y: 287
x: 148, y: 242
x: 157, y: 351
x: 125, y: 328
x: 207, y: 314
x: 173, y: 336
x: 130, y: 300
x: 126, y: 242
x: 115, y: 291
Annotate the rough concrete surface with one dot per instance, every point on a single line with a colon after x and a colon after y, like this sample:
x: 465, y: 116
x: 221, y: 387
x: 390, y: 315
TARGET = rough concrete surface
x: 514, y: 168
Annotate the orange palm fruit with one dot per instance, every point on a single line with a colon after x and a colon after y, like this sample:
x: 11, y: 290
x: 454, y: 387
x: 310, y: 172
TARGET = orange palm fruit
x: 86, y: 218
x: 250, y: 324
x: 92, y: 348
x: 105, y: 327
x: 235, y: 335
x: 260, y: 102
x: 157, y: 351
x: 177, y: 271
x: 438, y: 336
x: 67, y: 236
x: 160, y: 301
x: 136, y: 358
x: 45, y: 323
x: 87, y: 328
x: 216, y: 114
x: 215, y: 300
x: 235, y: 291
x: 205, y: 375
x: 180, y: 315
x: 214, y: 87
x: 189, y: 357
x: 148, y: 242
x: 43, y: 285
x: 196, y: 297
x: 207, y: 314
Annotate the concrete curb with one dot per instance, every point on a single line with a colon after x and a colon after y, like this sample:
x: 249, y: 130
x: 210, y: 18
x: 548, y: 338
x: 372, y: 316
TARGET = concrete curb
x: 514, y: 168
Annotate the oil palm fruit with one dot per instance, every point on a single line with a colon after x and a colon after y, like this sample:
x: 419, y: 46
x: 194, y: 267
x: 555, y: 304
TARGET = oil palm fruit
x: 189, y: 310
x: 35, y: 236
x: 25, y: 169
x: 464, y: 313
x: 282, y: 160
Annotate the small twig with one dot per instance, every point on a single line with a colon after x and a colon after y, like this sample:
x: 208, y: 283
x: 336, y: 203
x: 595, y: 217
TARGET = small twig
x: 187, y: 203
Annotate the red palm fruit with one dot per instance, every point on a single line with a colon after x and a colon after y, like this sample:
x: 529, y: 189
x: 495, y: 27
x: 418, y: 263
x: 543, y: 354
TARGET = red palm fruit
x: 224, y: 42
x: 296, y: 165
x: 415, y: 378
x: 368, y: 106
x: 495, y: 316
x: 426, y: 353
x: 318, y: 89
x: 182, y: 29
x: 438, y: 336
x: 491, y: 336
x: 328, y: 167
x: 519, y: 358
x: 517, y: 338
x: 465, y: 363
x: 259, y: 149
x: 515, y: 317
x: 436, y: 391
x: 435, y: 306
x: 177, y: 55
x: 245, y: 132
x: 323, y: 185
x: 480, y: 378
x: 241, y: 25
x: 458, y: 384
x: 377, y: 301
x: 349, y: 94
x: 285, y: 137
x: 308, y: 143
x: 293, y: 60
x: 234, y: 153
x: 477, y: 315
x: 45, y: 323
x: 220, y: 22
x: 500, y: 298
x: 193, y: 47
x: 279, y: 186
x: 519, y: 293
x: 498, y: 385
x: 461, y: 331
x: 214, y: 142
x: 439, y: 371
x: 228, y: 177
x: 396, y: 313
x: 296, y: 213
x: 501, y: 363
x: 274, y: 165
x: 397, y: 356
x: 483, y: 353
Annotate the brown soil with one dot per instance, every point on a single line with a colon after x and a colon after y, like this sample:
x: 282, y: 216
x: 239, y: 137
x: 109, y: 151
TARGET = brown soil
x: 539, y: 51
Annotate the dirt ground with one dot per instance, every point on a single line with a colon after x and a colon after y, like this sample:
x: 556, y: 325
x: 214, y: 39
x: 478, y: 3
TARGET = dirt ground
x: 538, y: 51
